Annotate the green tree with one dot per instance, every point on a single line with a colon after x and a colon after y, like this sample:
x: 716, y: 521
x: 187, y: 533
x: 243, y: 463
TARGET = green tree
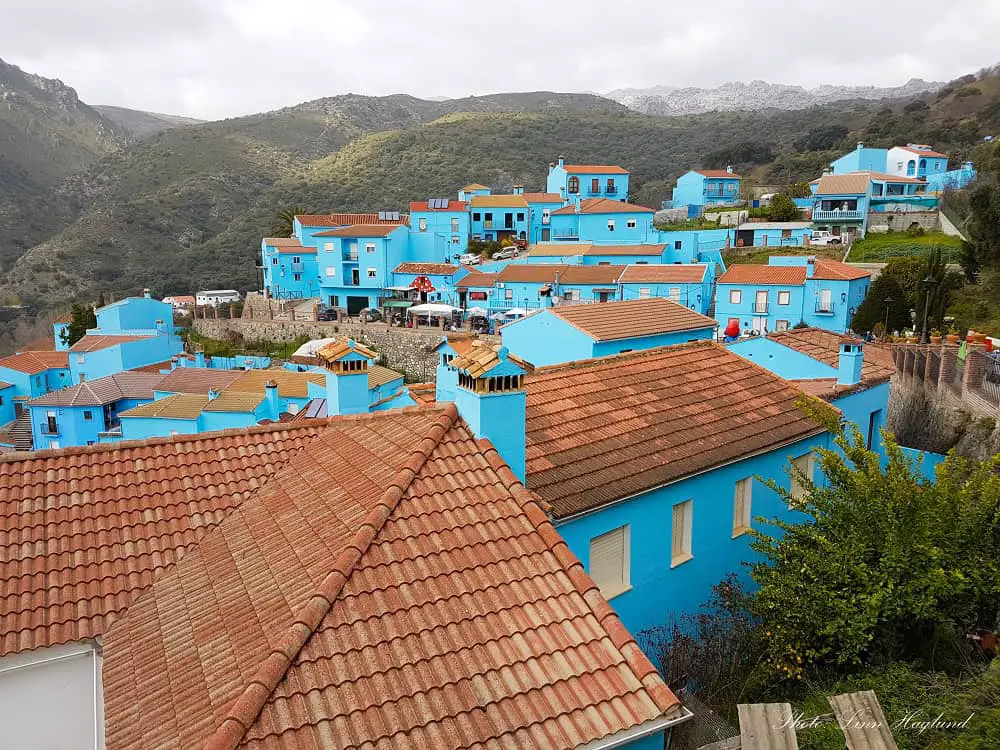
x: 82, y: 318
x: 799, y: 190
x: 880, y: 561
x: 782, y: 208
x: 874, y: 309
x: 284, y: 222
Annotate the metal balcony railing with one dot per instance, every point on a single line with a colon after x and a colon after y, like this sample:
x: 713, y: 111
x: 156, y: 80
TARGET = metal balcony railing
x: 824, y: 308
x: 760, y: 308
x: 838, y: 215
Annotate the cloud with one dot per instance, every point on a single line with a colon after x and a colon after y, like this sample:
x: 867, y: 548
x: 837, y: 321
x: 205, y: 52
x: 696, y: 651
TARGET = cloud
x: 219, y: 58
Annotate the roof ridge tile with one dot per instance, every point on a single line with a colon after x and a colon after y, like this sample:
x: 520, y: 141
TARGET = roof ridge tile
x: 243, y: 712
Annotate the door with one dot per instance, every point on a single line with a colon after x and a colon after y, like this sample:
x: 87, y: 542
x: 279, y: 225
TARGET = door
x: 759, y: 324
x: 825, y: 300
x: 508, y: 221
x: 356, y: 305
x: 546, y: 233
x: 356, y: 276
x: 760, y: 302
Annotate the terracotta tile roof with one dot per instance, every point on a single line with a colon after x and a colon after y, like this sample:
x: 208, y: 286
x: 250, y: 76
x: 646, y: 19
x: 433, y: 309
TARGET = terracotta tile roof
x: 175, y: 406
x: 651, y: 250
x: 717, y: 173
x: 591, y: 274
x: 824, y: 346
x: 885, y: 176
x: 92, y: 343
x: 833, y: 270
x: 427, y: 269
x: 380, y: 591
x: 593, y: 169
x: 924, y: 152
x: 423, y: 393
x: 300, y: 250
x: 474, y: 186
x: 361, y: 230
x: 746, y: 273
x: 379, y: 375
x: 477, y: 279
x: 601, y: 430
x: 156, y: 367
x: 5, y: 385
x: 235, y: 401
x: 452, y: 207
x: 86, y: 530
x: 343, y: 220
x: 561, y: 249
x: 197, y: 380
x: 530, y: 272
x: 121, y: 385
x: 499, y: 201
x: 543, y: 197
x: 480, y: 358
x: 342, y: 347
x: 34, y: 363
x: 603, y: 206
x: 290, y: 384
x: 612, y: 321
x: 280, y: 242
x: 183, y: 299
x: 462, y: 343
x: 692, y: 273
x: 852, y: 183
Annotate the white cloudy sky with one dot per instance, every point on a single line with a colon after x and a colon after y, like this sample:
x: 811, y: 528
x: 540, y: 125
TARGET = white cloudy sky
x: 219, y: 58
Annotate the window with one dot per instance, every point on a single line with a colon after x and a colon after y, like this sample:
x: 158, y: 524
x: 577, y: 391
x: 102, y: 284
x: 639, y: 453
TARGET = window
x: 50, y: 423
x: 546, y: 213
x: 328, y: 247
x: 297, y: 276
x: 334, y: 300
x: 331, y: 271
x: 674, y: 293
x: 784, y: 298
x: 455, y: 239
x: 571, y: 294
x: 786, y: 234
x: 873, y: 426
x: 1, y: 400
x: 476, y: 216
x: 781, y: 325
x: 520, y: 217
x: 611, y: 225
x: 274, y: 261
x: 573, y: 186
x: 508, y: 294
x: 609, y: 561
x: 680, y: 533
x: 370, y: 247
x: 296, y: 259
x: 735, y: 296
x: 678, y: 245
x: 422, y: 225
x: 876, y: 188
x: 372, y: 273
x: 54, y: 444
x: 611, y: 185
x: 630, y: 223
x: 88, y: 415
x: 741, y: 507
x: 454, y: 224
x: 644, y: 292
x: 799, y: 490
x: 595, y: 185
x: 488, y: 217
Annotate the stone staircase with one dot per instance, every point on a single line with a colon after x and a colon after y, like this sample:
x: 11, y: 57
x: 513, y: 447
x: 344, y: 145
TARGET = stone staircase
x: 21, y: 432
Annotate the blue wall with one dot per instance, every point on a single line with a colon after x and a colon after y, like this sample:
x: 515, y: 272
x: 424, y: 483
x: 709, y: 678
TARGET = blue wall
x: 491, y: 222
x: 440, y: 233
x: 659, y: 592
x: 697, y: 297
x: 783, y: 361
x: 125, y: 356
x: 380, y: 255
x: 290, y: 275
x: 7, y: 404
x: 695, y: 189
x: 861, y: 160
x: 558, y: 182
x: 35, y: 385
x: 135, y: 314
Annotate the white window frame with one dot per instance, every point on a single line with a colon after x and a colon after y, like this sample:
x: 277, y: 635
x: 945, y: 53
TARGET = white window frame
x: 681, y: 527
x: 421, y: 224
x: 370, y: 247
x: 786, y: 296
x: 630, y: 223
x: 781, y: 325
x: 735, y: 296
x: 611, y: 225
x: 807, y: 463
x: 674, y: 294
x: 644, y: 292
x: 455, y: 239
x: 742, y: 506
x: 372, y: 273
x: 455, y: 224
x: 331, y: 271
x: 508, y: 294
x: 612, y: 582
x: 328, y: 247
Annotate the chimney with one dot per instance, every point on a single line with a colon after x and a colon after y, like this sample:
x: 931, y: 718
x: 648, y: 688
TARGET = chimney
x: 446, y: 376
x: 271, y: 399
x: 493, y: 403
x: 160, y: 328
x: 519, y: 190
x: 810, y: 266
x: 145, y: 293
x: 849, y: 364
x: 562, y: 160
x: 347, y: 381
x: 552, y: 165
x: 212, y: 394
x: 729, y: 168
x: 173, y: 363
x: 199, y: 356
x: 861, y: 145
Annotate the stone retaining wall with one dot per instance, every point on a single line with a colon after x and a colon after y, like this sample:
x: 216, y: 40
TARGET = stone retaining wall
x: 403, y: 349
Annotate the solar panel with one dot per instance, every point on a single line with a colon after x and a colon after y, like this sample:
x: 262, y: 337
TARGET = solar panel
x: 383, y: 215
x: 432, y: 203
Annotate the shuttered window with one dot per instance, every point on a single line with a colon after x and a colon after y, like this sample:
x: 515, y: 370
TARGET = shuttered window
x: 680, y: 533
x: 798, y: 489
x: 741, y: 506
x: 609, y: 561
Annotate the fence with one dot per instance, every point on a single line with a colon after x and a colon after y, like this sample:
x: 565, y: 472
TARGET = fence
x: 976, y: 381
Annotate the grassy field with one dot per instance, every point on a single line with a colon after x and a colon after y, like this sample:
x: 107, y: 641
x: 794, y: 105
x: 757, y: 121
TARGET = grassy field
x: 831, y: 252
x: 878, y: 248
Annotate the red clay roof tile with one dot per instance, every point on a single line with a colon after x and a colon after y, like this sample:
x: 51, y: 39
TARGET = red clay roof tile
x: 693, y: 273
x: 427, y: 269
x: 746, y: 273
x: 92, y: 343
x: 612, y: 321
x: 343, y: 220
x: 34, y: 362
x: 833, y: 270
x: 603, y: 206
x: 824, y: 346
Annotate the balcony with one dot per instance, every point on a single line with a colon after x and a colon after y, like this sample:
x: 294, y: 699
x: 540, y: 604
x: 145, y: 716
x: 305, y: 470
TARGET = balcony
x: 566, y: 234
x: 760, y: 308
x: 297, y: 267
x: 351, y: 257
x: 838, y: 215
x: 824, y: 308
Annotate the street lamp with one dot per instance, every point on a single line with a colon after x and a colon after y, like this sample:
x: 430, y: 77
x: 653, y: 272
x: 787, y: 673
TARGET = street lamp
x: 929, y: 283
x: 888, y: 301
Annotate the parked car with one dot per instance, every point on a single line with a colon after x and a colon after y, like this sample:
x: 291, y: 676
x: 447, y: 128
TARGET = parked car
x: 506, y: 253
x: 469, y: 259
x: 824, y: 238
x: 370, y: 315
x: 330, y: 313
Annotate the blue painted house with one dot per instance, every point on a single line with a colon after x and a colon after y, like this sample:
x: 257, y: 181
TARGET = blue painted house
x: 849, y: 374
x: 7, y: 394
x: 686, y: 284
x: 604, y: 220
x: 190, y: 413
x: 499, y: 217
x: 788, y: 291
x: 573, y: 332
x: 83, y: 414
x: 439, y: 227
x: 540, y: 208
x: 356, y: 263
x: 861, y: 159
x: 915, y: 160
x: 32, y: 374
x: 843, y: 202
x: 289, y: 268
x: 773, y: 234
x: 576, y: 182
x: 700, y: 188
x: 427, y: 282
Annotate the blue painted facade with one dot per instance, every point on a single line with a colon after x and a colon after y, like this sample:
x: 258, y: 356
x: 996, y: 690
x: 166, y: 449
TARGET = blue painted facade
x: 955, y: 179
x: 32, y: 384
x: 658, y: 591
x: 544, y: 338
x: 773, y: 234
x: 290, y: 271
x: 861, y: 159
x: 76, y: 425
x: 499, y: 217
x: 440, y: 232
x: 355, y: 268
x: 540, y: 209
x: 575, y: 182
x: 444, y: 285
x: 7, y: 393
x: 135, y: 314
x: 599, y: 223
x: 706, y: 188
x: 127, y: 355
x: 210, y: 419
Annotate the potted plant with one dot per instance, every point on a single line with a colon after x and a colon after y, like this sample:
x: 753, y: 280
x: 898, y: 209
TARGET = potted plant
x: 935, y: 336
x: 979, y: 338
x: 952, y: 337
x: 911, y: 339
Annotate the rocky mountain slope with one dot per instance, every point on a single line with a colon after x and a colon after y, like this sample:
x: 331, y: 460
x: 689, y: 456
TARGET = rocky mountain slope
x: 143, y: 124
x: 756, y: 95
